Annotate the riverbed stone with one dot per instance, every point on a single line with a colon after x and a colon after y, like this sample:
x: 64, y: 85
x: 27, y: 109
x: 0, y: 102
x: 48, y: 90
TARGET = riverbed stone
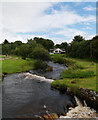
x: 51, y: 116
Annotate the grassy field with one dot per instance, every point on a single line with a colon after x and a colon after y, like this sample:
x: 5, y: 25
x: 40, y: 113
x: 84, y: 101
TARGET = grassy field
x: 16, y: 64
x: 82, y: 75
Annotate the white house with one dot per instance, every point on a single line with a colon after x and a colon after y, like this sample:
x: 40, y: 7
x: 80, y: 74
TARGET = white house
x: 57, y: 50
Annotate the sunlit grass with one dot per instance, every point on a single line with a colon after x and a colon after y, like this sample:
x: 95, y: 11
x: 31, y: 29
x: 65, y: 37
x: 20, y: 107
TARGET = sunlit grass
x: 83, y: 76
x: 16, y: 64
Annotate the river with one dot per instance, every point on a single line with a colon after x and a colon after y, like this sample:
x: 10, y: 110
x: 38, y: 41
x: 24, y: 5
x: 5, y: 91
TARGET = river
x: 24, y: 96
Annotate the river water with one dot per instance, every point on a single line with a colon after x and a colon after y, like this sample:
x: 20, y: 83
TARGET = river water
x: 24, y: 96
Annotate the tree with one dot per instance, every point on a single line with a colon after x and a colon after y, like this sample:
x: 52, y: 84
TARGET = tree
x: 31, y: 42
x: 94, y: 45
x: 78, y: 38
x: 6, y: 49
x: 6, y: 41
x: 17, y: 43
x: 40, y: 53
x: 46, y: 43
x: 23, y: 51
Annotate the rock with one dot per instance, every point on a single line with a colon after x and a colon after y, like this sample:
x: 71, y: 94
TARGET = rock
x: 49, y: 68
x: 68, y: 90
x: 80, y: 111
x: 63, y: 113
x: 73, y: 82
x: 54, y: 116
x: 92, y: 63
x: 51, y: 116
x: 5, y: 73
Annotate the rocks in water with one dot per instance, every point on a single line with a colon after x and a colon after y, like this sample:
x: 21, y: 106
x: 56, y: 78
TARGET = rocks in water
x: 90, y: 96
x: 80, y: 111
x: 63, y: 113
x: 49, y: 68
x: 51, y: 116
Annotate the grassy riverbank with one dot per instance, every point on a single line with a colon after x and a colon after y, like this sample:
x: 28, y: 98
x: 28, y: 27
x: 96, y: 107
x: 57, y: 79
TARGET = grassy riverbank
x: 80, y: 74
x: 14, y: 64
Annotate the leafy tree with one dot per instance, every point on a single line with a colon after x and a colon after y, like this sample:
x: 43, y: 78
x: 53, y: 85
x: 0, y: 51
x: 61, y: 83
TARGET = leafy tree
x: 40, y: 53
x: 17, y: 43
x: 46, y: 43
x: 58, y: 46
x: 94, y: 47
x: 22, y: 50
x: 31, y: 42
x: 78, y: 38
x: 6, y: 41
x: 6, y: 49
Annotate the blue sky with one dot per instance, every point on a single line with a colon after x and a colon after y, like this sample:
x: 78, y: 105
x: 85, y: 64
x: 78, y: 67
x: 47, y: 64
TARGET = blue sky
x: 58, y: 21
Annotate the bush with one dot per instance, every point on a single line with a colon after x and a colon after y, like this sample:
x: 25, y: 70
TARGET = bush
x: 39, y: 64
x: 49, y: 68
x: 58, y: 59
x: 40, y: 53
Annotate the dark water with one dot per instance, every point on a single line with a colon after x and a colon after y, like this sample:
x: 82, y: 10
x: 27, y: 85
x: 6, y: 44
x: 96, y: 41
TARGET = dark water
x: 26, y: 97
x: 57, y: 70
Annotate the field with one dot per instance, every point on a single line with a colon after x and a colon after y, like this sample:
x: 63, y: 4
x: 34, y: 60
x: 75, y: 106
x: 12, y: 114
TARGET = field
x: 15, y: 64
x: 80, y: 74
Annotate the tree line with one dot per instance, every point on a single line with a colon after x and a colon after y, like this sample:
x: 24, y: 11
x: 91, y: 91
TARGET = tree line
x: 79, y: 47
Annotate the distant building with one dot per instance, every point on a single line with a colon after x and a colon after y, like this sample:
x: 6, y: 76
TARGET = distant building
x: 57, y: 50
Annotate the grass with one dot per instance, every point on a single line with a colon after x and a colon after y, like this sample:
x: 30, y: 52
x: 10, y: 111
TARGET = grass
x: 70, y: 73
x: 80, y: 74
x: 16, y: 65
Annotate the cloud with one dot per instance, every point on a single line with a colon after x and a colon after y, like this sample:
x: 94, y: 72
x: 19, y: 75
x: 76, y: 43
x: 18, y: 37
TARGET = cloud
x: 48, y: 1
x: 89, y: 8
x: 27, y: 17
x: 31, y: 17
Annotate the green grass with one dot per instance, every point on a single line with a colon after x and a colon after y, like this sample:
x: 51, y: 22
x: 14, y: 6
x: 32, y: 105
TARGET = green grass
x: 14, y: 65
x: 70, y: 73
x: 80, y: 74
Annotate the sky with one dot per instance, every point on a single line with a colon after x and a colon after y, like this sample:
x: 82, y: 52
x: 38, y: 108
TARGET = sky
x: 58, y: 21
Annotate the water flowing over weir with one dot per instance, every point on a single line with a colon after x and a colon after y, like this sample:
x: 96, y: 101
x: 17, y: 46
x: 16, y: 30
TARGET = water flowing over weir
x: 25, y: 94
x: 57, y: 70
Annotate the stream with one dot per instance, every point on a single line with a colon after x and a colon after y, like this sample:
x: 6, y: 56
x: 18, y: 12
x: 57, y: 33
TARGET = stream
x: 23, y: 96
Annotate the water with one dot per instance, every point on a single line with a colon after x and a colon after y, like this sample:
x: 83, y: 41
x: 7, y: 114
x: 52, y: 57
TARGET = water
x: 57, y: 70
x: 24, y: 97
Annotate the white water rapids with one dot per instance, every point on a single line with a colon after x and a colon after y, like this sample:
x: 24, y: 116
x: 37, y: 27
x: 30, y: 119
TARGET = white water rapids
x: 36, y: 77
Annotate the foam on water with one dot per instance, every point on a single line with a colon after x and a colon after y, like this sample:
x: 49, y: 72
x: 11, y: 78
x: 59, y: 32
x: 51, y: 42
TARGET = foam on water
x: 36, y: 77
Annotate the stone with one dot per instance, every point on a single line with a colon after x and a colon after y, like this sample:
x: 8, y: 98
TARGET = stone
x: 51, y: 116
x: 49, y: 68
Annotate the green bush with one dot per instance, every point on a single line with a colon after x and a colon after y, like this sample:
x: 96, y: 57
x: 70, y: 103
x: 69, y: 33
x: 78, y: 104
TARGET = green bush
x: 59, y: 60
x: 40, y: 53
x: 39, y: 64
x: 76, y: 74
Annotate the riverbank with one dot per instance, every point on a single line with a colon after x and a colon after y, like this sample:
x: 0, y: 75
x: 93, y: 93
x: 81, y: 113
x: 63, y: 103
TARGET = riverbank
x: 79, y: 79
x: 15, y: 64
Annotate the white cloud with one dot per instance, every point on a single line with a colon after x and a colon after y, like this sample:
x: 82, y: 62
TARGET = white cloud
x: 70, y: 32
x: 31, y: 17
x: 89, y: 8
x: 27, y: 17
x: 14, y: 37
x: 48, y: 1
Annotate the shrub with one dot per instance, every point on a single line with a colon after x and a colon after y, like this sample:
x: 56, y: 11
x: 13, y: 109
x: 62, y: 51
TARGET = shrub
x: 58, y: 59
x: 39, y: 64
x: 40, y: 53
